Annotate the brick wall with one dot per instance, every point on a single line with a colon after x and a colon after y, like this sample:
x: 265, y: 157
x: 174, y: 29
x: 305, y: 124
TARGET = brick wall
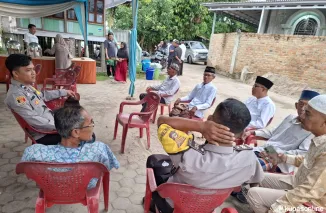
x: 301, y: 58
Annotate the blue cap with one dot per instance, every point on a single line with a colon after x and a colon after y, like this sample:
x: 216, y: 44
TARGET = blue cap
x: 308, y: 95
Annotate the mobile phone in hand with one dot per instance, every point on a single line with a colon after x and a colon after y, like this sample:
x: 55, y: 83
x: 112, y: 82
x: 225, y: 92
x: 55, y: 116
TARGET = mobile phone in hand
x: 270, y: 150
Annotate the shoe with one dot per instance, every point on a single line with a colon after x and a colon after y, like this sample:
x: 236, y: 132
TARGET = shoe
x: 241, y: 198
x: 110, y: 76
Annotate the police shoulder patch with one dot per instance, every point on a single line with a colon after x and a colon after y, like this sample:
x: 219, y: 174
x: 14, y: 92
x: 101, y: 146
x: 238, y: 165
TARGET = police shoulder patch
x: 21, y: 100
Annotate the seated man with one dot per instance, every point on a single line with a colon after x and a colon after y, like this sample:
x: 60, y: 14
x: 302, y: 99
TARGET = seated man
x: 28, y: 102
x: 261, y: 107
x: 289, y: 137
x: 280, y: 193
x: 167, y: 89
x: 212, y: 165
x: 201, y: 98
x: 75, y: 126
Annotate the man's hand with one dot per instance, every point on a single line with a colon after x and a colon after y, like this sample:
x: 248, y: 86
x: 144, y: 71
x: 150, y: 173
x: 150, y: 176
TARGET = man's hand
x: 274, y: 158
x: 71, y: 93
x: 177, y: 102
x: 193, y: 111
x: 216, y: 133
x: 246, y: 134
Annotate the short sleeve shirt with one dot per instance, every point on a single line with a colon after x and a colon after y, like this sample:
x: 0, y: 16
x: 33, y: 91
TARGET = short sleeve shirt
x: 28, y: 38
x: 112, y: 47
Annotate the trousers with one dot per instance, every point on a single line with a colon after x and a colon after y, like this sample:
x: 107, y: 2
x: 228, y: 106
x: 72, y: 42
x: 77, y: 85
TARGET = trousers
x: 272, y: 188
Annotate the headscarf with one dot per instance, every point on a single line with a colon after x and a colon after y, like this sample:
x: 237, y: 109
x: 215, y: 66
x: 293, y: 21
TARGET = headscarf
x: 123, y: 52
x: 59, y: 40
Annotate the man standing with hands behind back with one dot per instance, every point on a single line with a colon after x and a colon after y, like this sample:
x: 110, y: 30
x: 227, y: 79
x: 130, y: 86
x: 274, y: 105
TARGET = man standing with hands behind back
x: 110, y: 54
x: 183, y: 55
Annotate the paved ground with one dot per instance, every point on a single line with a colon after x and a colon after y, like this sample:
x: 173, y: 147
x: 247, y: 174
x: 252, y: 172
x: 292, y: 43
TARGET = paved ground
x: 127, y: 186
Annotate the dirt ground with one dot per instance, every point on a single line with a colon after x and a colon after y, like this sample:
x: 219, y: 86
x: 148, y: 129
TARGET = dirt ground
x: 102, y: 101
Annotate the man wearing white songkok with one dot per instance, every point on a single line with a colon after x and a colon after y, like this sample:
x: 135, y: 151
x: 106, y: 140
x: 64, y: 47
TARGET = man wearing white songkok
x: 288, y: 193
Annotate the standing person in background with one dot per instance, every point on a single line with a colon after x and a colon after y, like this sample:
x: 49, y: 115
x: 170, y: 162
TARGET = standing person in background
x: 122, y: 64
x: 177, y: 53
x: 183, y: 55
x: 61, y: 51
x: 110, y: 54
x: 30, y: 36
x: 171, y: 53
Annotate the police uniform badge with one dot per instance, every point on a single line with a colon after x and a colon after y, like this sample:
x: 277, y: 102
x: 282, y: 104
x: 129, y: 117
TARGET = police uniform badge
x: 37, y: 102
x: 21, y: 100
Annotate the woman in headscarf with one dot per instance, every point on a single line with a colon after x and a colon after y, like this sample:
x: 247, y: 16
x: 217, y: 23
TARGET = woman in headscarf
x: 122, y: 65
x: 61, y: 51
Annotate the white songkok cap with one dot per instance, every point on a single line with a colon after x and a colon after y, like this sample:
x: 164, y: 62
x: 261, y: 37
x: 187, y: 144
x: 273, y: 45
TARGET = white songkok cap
x: 319, y: 103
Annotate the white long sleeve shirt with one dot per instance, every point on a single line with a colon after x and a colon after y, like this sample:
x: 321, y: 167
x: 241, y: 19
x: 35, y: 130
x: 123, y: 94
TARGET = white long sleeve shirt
x: 168, y: 88
x: 202, y: 97
x: 261, y: 111
x: 289, y: 137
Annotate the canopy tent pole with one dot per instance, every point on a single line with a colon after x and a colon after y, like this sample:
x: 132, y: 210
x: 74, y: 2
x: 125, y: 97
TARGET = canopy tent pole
x: 214, y: 21
x: 132, y: 50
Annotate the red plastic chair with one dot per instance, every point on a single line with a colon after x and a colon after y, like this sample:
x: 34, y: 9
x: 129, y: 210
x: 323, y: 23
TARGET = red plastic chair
x: 136, y: 119
x: 186, y: 198
x: 65, y: 78
x: 164, y: 105
x: 68, y: 185
x: 37, y: 68
x: 252, y: 139
x: 59, y: 102
x: 28, y: 128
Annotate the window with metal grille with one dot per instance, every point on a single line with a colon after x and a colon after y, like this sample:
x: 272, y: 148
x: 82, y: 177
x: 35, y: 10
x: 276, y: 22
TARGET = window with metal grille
x: 307, y: 26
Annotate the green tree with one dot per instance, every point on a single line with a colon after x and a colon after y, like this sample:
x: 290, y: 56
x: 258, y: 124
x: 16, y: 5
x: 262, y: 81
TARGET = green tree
x: 168, y: 19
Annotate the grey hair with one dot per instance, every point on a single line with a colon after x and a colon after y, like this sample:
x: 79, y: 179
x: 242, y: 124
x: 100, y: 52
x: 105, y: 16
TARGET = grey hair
x: 175, y: 67
x: 68, y: 118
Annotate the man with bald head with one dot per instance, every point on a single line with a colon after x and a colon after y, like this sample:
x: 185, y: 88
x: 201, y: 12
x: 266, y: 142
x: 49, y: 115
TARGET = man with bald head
x: 284, y: 193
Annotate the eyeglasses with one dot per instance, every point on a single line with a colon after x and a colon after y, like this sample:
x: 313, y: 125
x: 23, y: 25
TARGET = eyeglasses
x: 91, y: 125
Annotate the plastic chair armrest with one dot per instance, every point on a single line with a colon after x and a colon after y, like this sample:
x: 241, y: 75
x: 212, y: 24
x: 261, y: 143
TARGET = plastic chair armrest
x: 137, y: 113
x: 151, y: 179
x: 94, y: 192
x: 229, y: 210
x: 47, y: 80
x: 128, y: 103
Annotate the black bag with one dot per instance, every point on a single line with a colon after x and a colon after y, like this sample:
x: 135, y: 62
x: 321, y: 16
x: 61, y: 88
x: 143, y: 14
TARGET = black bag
x: 162, y: 167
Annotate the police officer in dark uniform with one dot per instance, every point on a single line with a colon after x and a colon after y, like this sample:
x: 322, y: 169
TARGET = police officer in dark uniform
x: 28, y: 102
x: 214, y: 164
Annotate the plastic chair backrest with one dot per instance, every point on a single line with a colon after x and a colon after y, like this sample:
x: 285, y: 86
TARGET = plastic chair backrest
x: 70, y: 77
x: 38, y: 68
x: 77, y: 70
x: 189, y: 199
x: 62, y: 182
x: 152, y: 101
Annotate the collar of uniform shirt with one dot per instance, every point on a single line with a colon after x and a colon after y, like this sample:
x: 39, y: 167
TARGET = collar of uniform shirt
x: 319, y: 140
x: 218, y: 149
x: 14, y: 82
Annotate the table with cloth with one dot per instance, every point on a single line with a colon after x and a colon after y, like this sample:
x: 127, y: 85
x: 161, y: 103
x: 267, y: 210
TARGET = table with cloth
x: 86, y: 76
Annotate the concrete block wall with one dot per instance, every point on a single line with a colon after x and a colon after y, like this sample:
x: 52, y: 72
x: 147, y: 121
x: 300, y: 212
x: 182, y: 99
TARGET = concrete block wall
x: 301, y: 58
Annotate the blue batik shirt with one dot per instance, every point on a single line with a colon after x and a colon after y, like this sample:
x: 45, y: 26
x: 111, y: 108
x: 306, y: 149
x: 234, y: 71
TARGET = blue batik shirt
x: 86, y: 152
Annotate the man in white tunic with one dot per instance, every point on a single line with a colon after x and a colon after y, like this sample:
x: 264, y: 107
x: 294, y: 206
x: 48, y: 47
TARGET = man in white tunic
x: 200, y: 98
x: 289, y: 137
x: 261, y: 107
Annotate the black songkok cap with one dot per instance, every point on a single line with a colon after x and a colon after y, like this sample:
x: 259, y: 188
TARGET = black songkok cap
x: 264, y: 81
x: 210, y: 69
